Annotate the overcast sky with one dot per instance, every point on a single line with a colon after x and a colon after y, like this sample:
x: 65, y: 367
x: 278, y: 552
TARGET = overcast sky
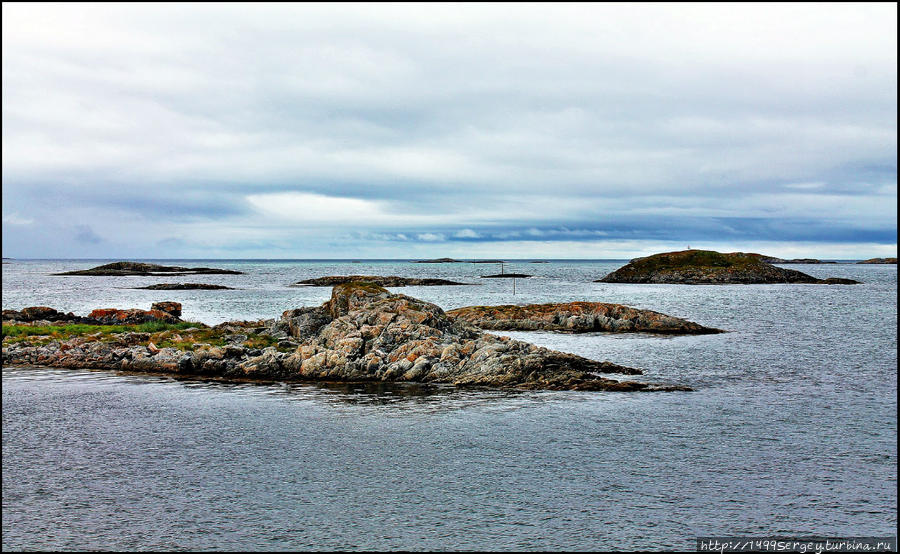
x: 403, y: 131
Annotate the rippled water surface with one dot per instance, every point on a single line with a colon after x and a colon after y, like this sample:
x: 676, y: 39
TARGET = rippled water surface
x: 792, y: 429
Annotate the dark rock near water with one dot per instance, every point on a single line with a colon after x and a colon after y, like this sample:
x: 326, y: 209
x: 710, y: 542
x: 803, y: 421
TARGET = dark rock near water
x: 576, y: 317
x: 185, y: 286
x: 705, y: 267
x: 439, y: 261
x: 384, y: 281
x: 506, y: 276
x: 138, y: 268
x: 363, y: 333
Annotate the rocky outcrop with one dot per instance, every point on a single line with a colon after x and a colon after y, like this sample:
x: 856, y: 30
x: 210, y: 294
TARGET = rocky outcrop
x: 168, y: 312
x: 363, y: 333
x: 879, y: 261
x: 506, y: 276
x: 137, y: 268
x: 706, y: 267
x: 384, y: 281
x: 576, y: 317
x: 184, y: 286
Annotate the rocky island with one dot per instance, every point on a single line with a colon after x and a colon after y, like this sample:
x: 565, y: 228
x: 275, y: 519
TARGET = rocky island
x: 138, y: 268
x: 707, y: 267
x: 577, y: 317
x: 387, y: 281
x: 879, y: 261
x: 363, y: 333
x: 184, y: 286
x: 439, y: 261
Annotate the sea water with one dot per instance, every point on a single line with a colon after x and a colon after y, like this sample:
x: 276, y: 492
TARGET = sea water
x: 791, y: 429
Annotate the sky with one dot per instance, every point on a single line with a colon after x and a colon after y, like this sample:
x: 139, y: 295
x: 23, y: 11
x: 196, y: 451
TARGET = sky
x: 476, y: 130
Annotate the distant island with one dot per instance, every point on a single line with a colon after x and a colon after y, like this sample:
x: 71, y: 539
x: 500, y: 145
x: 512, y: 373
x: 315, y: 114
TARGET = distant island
x: 506, y: 276
x: 387, y: 281
x: 879, y: 261
x: 138, y: 268
x: 184, y: 286
x: 439, y: 261
x: 699, y: 267
x: 774, y: 260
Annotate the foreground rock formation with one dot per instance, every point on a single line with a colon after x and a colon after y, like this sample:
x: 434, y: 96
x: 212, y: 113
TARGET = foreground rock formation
x: 137, y: 268
x: 363, y: 333
x: 697, y: 267
x: 879, y: 261
x: 576, y: 317
x: 383, y: 281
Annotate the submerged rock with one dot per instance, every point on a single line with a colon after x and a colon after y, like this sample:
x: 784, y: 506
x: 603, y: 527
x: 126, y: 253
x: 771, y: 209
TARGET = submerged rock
x: 363, y: 333
x: 576, y: 317
x: 384, y: 281
x: 706, y: 267
x: 138, y: 268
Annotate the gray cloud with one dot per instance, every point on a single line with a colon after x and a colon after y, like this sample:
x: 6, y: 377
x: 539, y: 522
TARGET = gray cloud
x: 259, y: 129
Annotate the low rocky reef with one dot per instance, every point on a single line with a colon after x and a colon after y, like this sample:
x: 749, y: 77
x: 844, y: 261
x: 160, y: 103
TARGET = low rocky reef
x: 577, y: 317
x: 439, y: 261
x: 383, y: 281
x: 184, y: 286
x: 167, y: 312
x: 363, y: 333
x: 707, y: 267
x: 879, y: 261
x: 138, y: 268
x: 507, y: 276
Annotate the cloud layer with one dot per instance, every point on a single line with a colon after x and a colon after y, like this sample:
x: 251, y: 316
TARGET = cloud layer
x: 404, y: 130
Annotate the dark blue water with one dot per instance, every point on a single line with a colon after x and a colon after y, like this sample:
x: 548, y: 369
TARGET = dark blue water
x: 792, y: 430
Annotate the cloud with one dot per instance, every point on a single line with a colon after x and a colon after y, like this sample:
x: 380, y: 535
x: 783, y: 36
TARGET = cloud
x: 289, y: 127
x: 84, y: 233
x: 15, y: 219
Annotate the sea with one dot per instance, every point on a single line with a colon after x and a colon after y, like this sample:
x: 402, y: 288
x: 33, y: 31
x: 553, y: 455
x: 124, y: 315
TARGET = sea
x: 791, y: 430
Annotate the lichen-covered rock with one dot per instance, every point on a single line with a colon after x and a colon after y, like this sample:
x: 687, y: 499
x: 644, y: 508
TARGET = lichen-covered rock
x: 363, y: 333
x: 706, y: 267
x: 114, y: 316
x: 172, y: 308
x: 576, y: 317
